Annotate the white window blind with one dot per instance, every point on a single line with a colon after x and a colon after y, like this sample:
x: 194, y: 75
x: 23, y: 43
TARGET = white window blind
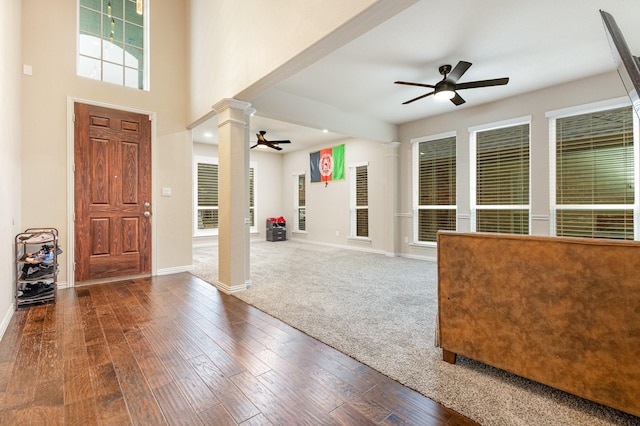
x: 436, y: 187
x: 595, y: 177
x: 207, y: 196
x: 362, y: 201
x: 252, y: 205
x: 502, y: 180
x: 302, y: 202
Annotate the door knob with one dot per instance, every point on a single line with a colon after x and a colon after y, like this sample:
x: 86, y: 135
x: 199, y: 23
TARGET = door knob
x: 147, y: 204
x: 147, y: 214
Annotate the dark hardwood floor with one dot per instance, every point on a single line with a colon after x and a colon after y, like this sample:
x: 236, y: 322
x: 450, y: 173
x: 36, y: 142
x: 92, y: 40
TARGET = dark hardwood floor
x: 174, y: 350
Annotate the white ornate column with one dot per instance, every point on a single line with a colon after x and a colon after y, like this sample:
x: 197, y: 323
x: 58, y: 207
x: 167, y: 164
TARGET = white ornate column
x: 233, y: 196
x: 391, y: 199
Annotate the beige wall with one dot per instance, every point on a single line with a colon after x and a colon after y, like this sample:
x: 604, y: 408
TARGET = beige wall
x: 268, y: 186
x: 235, y: 44
x: 328, y: 206
x: 10, y: 195
x: 49, y: 46
x: 536, y: 104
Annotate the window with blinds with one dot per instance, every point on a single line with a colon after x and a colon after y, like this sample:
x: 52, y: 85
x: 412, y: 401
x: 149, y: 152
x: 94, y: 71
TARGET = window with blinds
x: 300, y: 196
x: 252, y: 205
x: 359, y: 196
x: 595, y: 177
x: 502, y: 180
x: 362, y: 202
x: 207, y: 196
x: 436, y: 187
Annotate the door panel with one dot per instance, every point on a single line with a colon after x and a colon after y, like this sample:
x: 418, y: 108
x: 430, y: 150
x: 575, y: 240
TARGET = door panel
x: 112, y: 186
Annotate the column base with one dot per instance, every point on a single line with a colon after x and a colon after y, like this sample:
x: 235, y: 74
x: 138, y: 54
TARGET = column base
x: 227, y: 289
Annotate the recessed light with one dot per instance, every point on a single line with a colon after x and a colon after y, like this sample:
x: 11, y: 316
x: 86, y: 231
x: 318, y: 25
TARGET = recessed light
x: 208, y: 135
x: 325, y: 131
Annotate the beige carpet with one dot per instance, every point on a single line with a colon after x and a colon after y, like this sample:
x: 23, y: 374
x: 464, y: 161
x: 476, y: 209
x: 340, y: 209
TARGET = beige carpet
x: 381, y: 311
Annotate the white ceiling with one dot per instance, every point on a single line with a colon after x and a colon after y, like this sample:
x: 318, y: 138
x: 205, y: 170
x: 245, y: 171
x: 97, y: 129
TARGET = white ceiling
x: 537, y: 44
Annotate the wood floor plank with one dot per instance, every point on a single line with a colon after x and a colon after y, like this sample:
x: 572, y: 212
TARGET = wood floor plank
x: 46, y: 416
x: 175, y: 407
x: 77, y: 380
x: 149, y: 362
x: 301, y: 382
x: 80, y: 413
x: 139, y: 397
x: 275, y: 410
x: 346, y: 415
x: 239, y: 407
x: 218, y: 416
x: 174, y: 350
x: 112, y: 410
x: 22, y: 383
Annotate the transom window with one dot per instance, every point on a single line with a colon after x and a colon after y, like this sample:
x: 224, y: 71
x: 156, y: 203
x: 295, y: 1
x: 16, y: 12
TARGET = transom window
x: 500, y: 177
x: 435, y: 183
x: 111, y: 41
x: 595, y: 174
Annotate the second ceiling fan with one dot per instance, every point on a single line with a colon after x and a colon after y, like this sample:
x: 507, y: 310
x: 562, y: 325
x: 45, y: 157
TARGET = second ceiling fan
x: 264, y: 143
x: 448, y: 86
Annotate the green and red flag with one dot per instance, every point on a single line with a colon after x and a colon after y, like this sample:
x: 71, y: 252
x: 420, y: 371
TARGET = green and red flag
x: 327, y: 164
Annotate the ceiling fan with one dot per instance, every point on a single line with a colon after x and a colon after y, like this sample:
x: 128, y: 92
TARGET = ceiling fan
x: 447, y: 87
x: 263, y: 143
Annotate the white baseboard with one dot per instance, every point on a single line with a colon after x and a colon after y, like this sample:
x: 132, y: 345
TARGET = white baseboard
x: 6, y: 319
x: 174, y: 270
x: 340, y: 246
x: 414, y: 256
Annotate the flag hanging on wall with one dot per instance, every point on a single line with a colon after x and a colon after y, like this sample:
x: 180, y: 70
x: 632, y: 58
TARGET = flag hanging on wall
x: 327, y: 165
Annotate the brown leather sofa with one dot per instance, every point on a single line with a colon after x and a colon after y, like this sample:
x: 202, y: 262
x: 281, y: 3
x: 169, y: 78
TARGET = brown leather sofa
x: 561, y: 311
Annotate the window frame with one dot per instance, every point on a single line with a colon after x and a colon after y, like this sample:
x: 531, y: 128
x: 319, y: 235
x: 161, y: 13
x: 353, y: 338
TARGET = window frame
x: 585, y: 109
x: 417, y: 207
x: 353, y: 201
x: 253, y: 228
x: 202, y: 159
x: 473, y: 156
x: 297, y: 207
x: 197, y: 232
x: 146, y: 80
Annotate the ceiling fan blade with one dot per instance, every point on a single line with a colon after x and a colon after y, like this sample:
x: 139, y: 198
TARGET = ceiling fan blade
x: 457, y: 100
x: 482, y: 83
x: 285, y: 141
x: 408, y: 83
x: 254, y: 146
x: 419, y: 97
x: 457, y: 72
x: 276, y: 147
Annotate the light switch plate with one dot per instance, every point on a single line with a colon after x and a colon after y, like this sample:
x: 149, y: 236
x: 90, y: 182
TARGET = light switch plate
x: 166, y: 192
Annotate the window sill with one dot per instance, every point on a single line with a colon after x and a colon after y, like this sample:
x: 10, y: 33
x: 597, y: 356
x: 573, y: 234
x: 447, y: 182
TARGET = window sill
x: 360, y: 239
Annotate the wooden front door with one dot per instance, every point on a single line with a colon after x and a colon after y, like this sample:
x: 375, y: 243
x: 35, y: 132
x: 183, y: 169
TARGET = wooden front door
x: 112, y: 193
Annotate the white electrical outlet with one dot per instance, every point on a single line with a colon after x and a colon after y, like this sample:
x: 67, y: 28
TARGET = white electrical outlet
x: 337, y: 233
x: 406, y: 239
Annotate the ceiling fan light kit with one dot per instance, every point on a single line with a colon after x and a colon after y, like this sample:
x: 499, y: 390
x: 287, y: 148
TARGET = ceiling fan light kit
x: 446, y: 89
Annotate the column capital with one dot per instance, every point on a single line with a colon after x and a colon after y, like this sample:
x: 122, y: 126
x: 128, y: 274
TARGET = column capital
x: 230, y: 103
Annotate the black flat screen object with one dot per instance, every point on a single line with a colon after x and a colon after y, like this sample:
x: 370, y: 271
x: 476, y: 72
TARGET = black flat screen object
x: 627, y: 64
